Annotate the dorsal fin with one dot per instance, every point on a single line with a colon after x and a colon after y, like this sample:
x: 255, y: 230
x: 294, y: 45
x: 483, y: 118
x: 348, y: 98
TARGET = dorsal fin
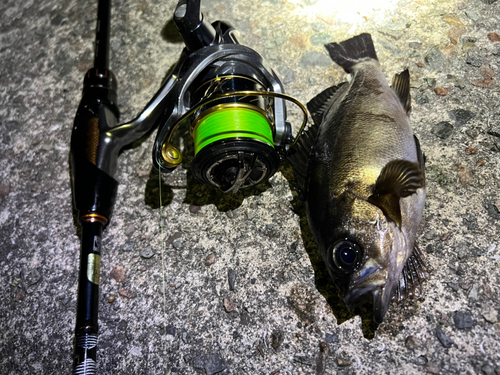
x: 351, y: 51
x: 398, y: 179
x: 318, y: 105
x: 299, y: 155
x: 413, y: 275
x: 401, y: 86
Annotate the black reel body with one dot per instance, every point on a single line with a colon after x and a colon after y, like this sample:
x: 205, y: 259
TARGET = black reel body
x: 231, y: 101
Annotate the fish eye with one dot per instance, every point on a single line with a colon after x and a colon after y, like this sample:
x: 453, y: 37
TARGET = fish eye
x: 347, y: 255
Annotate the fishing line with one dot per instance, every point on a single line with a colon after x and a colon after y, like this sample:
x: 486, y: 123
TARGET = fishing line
x: 162, y: 249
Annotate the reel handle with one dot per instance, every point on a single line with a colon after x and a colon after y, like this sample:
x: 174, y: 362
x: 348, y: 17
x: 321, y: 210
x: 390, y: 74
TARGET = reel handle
x: 194, y: 29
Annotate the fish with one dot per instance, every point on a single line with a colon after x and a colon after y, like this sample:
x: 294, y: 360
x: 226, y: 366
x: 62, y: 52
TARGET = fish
x: 360, y: 170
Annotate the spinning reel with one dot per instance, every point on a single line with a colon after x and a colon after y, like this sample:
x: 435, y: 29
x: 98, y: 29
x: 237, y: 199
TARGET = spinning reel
x: 231, y: 101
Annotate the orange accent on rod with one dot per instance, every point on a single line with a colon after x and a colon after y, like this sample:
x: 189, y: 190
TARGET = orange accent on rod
x: 93, y: 218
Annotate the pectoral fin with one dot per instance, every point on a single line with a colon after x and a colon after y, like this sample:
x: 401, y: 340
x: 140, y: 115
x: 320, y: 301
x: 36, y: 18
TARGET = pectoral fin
x: 398, y: 179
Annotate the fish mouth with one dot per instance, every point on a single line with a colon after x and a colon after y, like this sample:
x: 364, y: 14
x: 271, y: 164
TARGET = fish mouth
x: 381, y: 302
x: 381, y: 297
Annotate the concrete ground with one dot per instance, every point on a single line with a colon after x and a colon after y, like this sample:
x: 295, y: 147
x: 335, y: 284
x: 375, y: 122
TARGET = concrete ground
x: 245, y: 292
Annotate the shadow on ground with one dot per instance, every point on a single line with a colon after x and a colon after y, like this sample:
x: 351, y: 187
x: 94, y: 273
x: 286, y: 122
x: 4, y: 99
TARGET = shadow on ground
x: 322, y: 280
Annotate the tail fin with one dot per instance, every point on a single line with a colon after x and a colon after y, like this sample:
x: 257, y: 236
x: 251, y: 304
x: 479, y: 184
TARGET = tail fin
x: 348, y: 53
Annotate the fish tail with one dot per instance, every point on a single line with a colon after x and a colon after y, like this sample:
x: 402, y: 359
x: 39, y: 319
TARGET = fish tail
x: 350, y: 52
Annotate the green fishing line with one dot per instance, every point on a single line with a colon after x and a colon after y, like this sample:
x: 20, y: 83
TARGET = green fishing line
x: 232, y: 122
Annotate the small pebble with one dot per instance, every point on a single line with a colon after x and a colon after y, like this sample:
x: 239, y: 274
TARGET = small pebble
x: 431, y: 82
x: 111, y: 299
x: 4, y: 191
x: 445, y: 340
x: 147, y: 253
x: 465, y: 176
x: 33, y: 277
x: 320, y: 39
x: 461, y: 116
x: 412, y: 342
x: 129, y: 230
x: 494, y: 37
x: 194, y: 208
x: 453, y: 286
x: 473, y: 294
x: 323, y: 347
x: 455, y: 33
x: 474, y: 61
x: 177, y: 244
x: 19, y: 296
x: 231, y: 278
x: 229, y: 305
x: 488, y: 369
x: 497, y: 205
x: 440, y: 91
x: 485, y: 83
x: 432, y: 367
x: 471, y: 150
x: 276, y: 339
x: 343, y: 362
x: 452, y: 20
x: 435, y: 59
x: 490, y: 314
x: 486, y: 72
x: 125, y: 292
x: 118, y: 274
x: 472, y: 15
x: 463, y: 320
x: 129, y: 245
x: 415, y: 45
x: 443, y: 130
x: 210, y: 259
x: 331, y: 338
x: 422, y: 99
x: 421, y: 360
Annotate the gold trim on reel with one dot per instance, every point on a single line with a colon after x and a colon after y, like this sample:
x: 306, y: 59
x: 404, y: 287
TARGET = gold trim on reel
x: 169, y: 152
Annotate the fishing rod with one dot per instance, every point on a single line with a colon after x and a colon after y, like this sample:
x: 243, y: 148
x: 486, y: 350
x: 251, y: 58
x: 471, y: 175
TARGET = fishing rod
x: 226, y: 94
x: 96, y: 141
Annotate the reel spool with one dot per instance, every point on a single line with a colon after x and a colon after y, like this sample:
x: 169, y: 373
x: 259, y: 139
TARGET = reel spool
x: 233, y: 136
